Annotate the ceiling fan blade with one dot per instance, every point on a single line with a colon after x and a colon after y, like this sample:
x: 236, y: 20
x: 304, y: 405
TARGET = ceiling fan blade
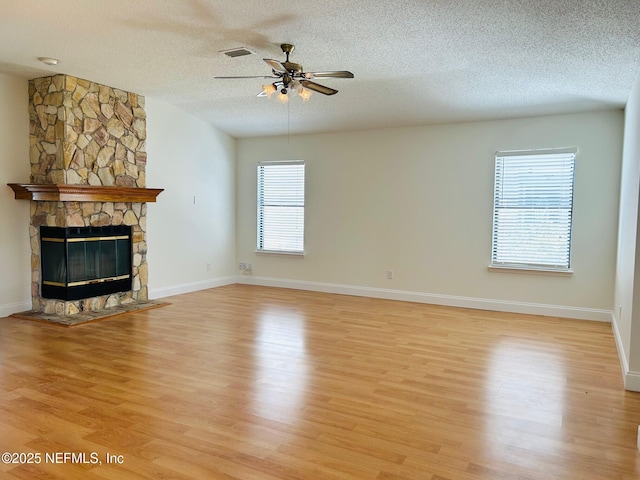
x: 255, y: 76
x: 276, y: 65
x: 337, y: 74
x: 316, y: 87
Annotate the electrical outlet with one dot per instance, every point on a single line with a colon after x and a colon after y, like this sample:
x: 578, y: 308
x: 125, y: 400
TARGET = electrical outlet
x: 390, y: 274
x: 242, y: 266
x: 249, y: 269
x: 208, y: 266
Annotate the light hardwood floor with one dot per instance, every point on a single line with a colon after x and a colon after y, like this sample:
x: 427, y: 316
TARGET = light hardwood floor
x: 245, y: 382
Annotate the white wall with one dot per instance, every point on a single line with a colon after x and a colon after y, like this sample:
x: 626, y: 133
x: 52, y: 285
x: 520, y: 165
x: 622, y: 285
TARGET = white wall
x: 15, y: 252
x: 418, y: 201
x: 627, y: 288
x: 189, y: 158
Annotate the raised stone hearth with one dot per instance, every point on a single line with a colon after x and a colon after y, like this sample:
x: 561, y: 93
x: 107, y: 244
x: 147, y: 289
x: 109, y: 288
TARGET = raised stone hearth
x: 90, y: 316
x: 88, y: 161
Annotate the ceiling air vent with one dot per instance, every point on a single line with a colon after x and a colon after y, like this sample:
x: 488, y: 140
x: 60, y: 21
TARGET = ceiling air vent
x: 237, y: 52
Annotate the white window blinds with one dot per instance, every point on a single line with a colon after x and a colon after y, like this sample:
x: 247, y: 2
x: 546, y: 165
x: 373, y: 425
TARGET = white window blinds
x: 281, y: 206
x: 533, y: 203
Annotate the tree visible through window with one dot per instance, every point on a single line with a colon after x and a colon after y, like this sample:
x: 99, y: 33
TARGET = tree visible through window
x: 533, y: 205
x: 281, y: 206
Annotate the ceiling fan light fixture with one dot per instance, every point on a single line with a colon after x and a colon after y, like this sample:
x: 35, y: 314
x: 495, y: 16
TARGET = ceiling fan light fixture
x: 294, y: 87
x: 269, y: 90
x: 282, y: 96
x: 305, y: 94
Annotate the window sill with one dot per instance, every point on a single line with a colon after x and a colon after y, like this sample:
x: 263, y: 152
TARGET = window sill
x: 531, y: 271
x: 281, y: 252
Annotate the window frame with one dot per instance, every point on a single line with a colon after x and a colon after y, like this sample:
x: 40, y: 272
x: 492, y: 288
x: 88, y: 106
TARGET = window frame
x: 260, y: 240
x: 530, y: 265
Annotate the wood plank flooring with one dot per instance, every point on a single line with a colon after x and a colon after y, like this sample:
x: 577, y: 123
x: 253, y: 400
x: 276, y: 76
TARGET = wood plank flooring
x: 252, y: 383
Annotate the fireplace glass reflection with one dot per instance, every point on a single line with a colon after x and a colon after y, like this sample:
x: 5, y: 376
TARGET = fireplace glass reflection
x: 83, y: 262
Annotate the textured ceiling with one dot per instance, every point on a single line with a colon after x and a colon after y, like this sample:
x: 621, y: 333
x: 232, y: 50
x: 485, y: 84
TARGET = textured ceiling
x: 415, y: 62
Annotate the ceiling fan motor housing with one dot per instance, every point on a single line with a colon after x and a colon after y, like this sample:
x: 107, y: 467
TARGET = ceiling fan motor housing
x: 292, y: 67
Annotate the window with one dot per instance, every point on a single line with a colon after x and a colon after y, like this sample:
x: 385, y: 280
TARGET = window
x: 533, y: 203
x: 281, y: 207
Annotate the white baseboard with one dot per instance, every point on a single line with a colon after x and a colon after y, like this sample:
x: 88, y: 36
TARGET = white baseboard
x: 190, y: 287
x: 11, y: 308
x: 632, y: 381
x: 630, y: 378
x: 435, y: 299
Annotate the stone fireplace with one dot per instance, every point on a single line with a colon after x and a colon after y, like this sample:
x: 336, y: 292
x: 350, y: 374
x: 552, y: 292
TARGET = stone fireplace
x: 88, y: 161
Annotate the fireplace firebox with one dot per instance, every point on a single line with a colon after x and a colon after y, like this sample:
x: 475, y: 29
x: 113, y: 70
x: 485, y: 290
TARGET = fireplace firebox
x: 84, y: 262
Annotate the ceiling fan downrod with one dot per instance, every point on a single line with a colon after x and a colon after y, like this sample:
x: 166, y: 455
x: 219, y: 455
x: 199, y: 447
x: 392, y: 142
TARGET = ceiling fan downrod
x: 291, y: 67
x: 287, y: 48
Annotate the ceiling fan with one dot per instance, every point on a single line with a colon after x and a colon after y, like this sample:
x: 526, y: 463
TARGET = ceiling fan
x: 291, y: 77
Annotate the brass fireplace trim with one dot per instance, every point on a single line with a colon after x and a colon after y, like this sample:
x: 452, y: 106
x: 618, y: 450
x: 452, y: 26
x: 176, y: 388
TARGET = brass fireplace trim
x: 86, y: 282
x: 83, y: 239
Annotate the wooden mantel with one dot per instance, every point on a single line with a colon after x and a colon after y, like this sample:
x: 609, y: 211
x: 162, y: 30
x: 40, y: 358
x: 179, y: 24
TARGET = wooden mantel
x: 83, y: 193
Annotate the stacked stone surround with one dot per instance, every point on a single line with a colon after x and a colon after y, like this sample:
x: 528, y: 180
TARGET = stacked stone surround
x: 84, y: 133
